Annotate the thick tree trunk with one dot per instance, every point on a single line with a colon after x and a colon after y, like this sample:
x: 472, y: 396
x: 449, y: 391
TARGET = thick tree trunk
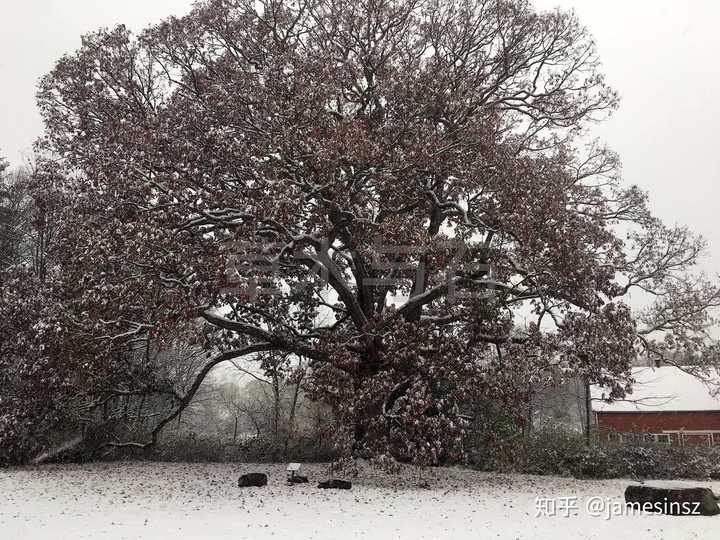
x: 276, y: 414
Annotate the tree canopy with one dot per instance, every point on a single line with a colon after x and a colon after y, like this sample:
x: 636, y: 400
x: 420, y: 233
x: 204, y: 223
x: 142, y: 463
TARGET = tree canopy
x: 404, y: 193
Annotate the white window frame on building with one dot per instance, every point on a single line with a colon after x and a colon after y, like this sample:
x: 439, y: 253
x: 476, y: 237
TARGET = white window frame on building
x: 712, y: 436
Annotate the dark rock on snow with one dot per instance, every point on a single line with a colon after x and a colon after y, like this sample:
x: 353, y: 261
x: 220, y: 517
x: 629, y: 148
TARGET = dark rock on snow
x: 675, y: 502
x: 335, y: 484
x: 297, y: 479
x: 253, y: 480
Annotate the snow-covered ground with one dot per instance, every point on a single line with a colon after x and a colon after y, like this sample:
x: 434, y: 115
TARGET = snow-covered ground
x: 188, y: 501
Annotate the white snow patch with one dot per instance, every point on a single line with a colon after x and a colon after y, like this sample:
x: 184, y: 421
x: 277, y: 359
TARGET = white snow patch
x: 57, y: 450
x: 201, y: 501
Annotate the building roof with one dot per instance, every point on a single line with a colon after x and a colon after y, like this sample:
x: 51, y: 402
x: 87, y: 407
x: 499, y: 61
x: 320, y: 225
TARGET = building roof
x: 663, y: 389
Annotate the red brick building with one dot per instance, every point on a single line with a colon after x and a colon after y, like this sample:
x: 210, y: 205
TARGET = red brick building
x: 668, y: 405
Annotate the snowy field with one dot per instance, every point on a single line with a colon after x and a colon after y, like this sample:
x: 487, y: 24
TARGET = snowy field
x: 151, y: 500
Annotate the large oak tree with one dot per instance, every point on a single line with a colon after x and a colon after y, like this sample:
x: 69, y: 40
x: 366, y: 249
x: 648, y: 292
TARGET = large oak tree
x: 402, y: 192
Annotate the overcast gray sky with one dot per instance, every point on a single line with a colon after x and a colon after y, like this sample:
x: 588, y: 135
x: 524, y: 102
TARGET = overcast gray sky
x: 661, y: 55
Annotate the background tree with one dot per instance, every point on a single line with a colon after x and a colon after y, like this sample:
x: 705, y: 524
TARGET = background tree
x: 272, y: 402
x: 13, y: 215
x: 425, y: 160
